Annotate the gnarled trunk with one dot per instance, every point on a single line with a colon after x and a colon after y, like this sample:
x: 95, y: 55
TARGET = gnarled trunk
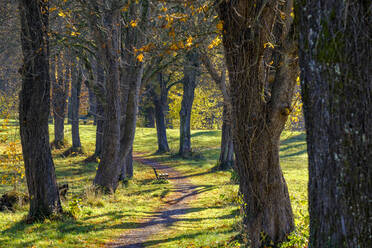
x: 260, y: 110
x: 107, y: 176
x: 190, y: 73
x: 335, y: 60
x: 34, y: 110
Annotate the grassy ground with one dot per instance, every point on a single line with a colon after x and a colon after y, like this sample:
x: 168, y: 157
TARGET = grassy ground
x: 211, y: 221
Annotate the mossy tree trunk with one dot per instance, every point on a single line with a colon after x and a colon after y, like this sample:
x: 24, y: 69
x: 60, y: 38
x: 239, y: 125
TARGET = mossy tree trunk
x: 34, y: 109
x: 260, y: 110
x: 335, y: 61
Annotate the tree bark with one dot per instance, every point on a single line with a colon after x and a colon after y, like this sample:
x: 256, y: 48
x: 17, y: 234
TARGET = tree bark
x: 75, y: 97
x: 107, y: 176
x: 149, y: 115
x: 335, y: 60
x: 226, y: 159
x: 131, y: 79
x: 99, y: 115
x: 191, y: 68
x: 160, y: 103
x: 34, y: 110
x: 59, y: 97
x: 260, y: 110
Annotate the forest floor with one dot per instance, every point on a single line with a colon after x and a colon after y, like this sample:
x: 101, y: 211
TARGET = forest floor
x: 207, y: 217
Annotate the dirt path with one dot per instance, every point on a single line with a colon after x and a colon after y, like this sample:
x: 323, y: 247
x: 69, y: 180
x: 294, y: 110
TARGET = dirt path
x: 176, y: 205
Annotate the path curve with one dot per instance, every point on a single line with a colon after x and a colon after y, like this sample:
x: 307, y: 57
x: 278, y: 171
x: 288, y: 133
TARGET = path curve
x: 176, y: 205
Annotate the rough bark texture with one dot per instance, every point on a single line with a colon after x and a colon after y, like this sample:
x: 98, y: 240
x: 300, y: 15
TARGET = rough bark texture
x: 59, y: 99
x: 190, y: 74
x: 75, y: 97
x: 160, y: 96
x: 260, y: 110
x: 108, y: 45
x: 34, y: 110
x: 335, y: 60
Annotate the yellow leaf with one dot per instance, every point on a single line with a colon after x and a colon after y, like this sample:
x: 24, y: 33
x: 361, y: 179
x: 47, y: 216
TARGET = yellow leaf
x: 189, y: 42
x: 219, y: 26
x: 140, y: 57
x: 268, y: 44
x: 133, y: 23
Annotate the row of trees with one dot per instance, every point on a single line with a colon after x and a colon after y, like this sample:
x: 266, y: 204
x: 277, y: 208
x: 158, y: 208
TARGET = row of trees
x: 264, y: 43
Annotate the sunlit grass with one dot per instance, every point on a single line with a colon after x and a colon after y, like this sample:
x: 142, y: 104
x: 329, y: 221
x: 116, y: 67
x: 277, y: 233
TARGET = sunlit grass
x: 211, y: 220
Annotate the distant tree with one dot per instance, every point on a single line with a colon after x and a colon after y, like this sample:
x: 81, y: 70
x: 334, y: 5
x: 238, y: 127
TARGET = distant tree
x: 60, y: 87
x: 189, y: 82
x: 226, y: 159
x: 257, y: 37
x: 34, y: 110
x: 161, y: 104
x: 336, y: 62
x: 76, y: 82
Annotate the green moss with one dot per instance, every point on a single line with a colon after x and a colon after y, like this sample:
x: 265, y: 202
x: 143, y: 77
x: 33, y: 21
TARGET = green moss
x: 330, y: 45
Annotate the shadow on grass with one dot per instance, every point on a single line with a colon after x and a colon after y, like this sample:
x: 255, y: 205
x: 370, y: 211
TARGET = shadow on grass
x: 297, y: 138
x: 293, y: 143
x: 206, y: 133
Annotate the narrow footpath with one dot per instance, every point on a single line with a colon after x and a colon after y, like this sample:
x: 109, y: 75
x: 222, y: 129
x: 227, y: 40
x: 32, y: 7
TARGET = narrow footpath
x: 176, y: 205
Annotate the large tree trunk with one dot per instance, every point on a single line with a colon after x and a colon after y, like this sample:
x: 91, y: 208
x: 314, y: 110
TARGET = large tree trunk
x: 34, y: 110
x: 335, y: 59
x: 191, y: 68
x: 160, y: 103
x: 107, y: 176
x: 59, y: 97
x: 75, y: 97
x: 131, y: 79
x: 260, y: 110
x: 226, y: 160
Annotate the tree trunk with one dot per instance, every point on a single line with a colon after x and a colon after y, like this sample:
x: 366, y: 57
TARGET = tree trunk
x: 34, y: 110
x: 160, y: 103
x: 75, y: 97
x: 59, y: 96
x: 126, y: 171
x: 92, y: 103
x: 99, y: 115
x: 107, y: 176
x: 335, y: 60
x: 226, y: 160
x: 131, y: 79
x: 149, y: 115
x: 191, y: 68
x: 260, y: 110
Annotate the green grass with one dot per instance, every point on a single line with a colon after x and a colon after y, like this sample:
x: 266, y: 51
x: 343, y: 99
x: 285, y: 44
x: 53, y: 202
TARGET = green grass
x: 211, y: 220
